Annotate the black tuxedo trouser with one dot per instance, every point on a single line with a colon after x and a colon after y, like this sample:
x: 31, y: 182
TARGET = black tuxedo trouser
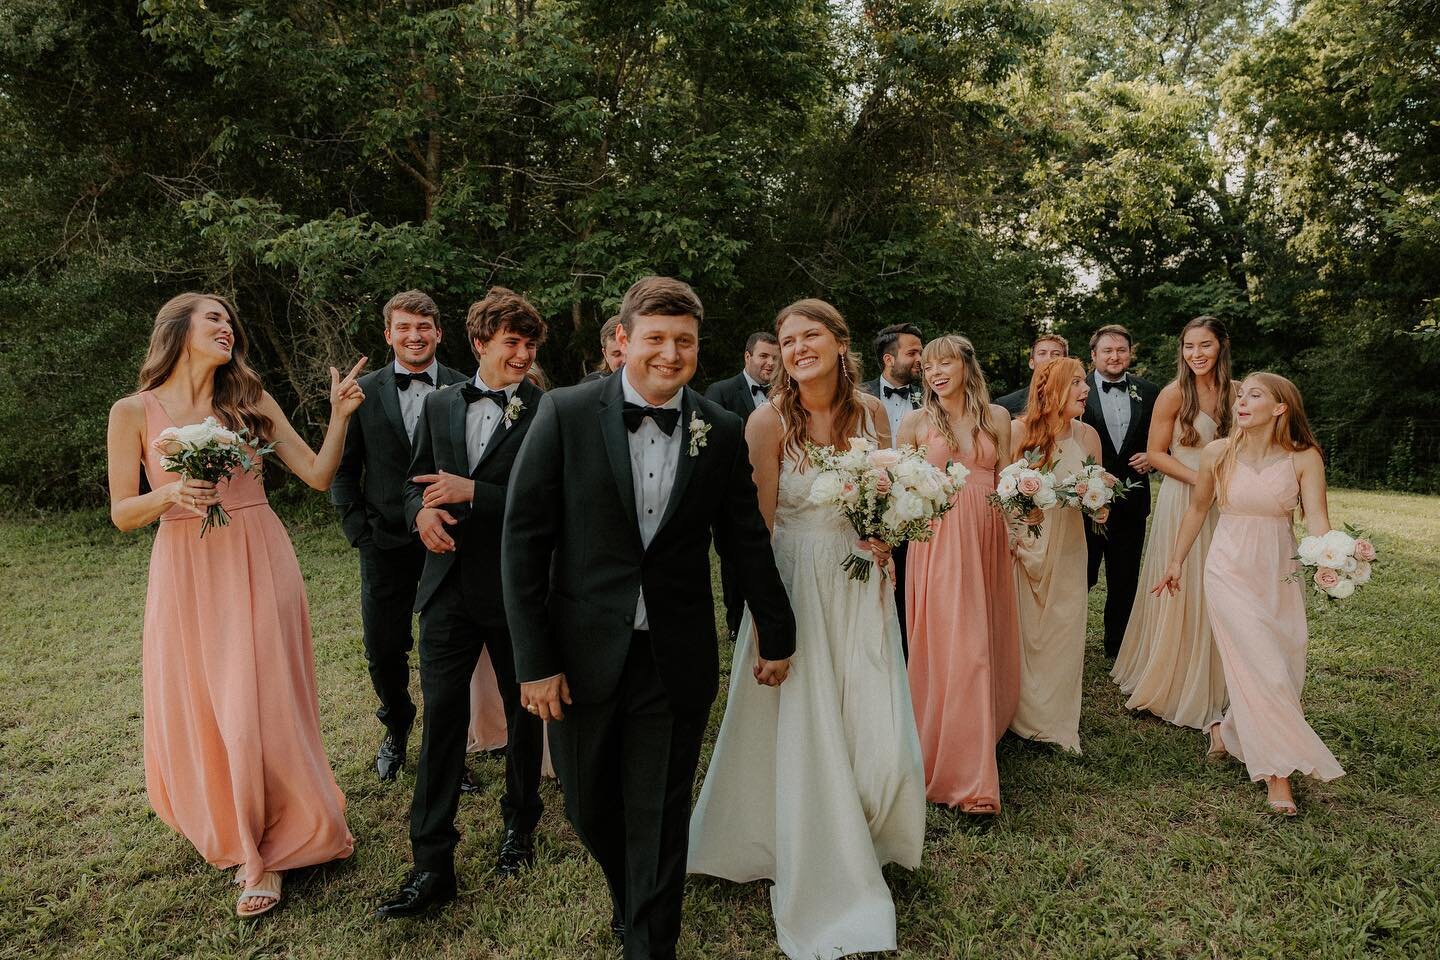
x: 453, y: 631
x: 387, y: 595
x: 900, y: 553
x: 1121, y: 551
x: 627, y: 765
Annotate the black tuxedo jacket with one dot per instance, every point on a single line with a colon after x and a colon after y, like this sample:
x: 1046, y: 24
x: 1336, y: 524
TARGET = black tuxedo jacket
x: 369, y: 487
x: 440, y: 445
x: 1136, y: 439
x: 574, y: 564
x: 733, y: 393
x: 1015, y: 402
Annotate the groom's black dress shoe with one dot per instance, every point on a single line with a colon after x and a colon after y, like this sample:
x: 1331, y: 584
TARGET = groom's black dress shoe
x: 617, y: 927
x: 423, y: 891
x: 516, y: 853
x: 391, y: 756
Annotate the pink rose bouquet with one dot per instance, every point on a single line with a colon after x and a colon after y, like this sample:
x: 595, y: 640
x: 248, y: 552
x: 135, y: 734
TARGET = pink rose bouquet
x: 1342, y: 560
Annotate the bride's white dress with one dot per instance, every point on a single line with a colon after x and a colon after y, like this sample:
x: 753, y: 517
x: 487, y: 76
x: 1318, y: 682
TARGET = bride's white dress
x: 818, y: 782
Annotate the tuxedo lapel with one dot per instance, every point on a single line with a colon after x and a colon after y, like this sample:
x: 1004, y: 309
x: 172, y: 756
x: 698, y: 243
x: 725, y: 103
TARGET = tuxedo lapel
x: 685, y: 469
x: 390, y: 402
x: 617, y: 446
x: 502, y: 433
x: 1137, y: 410
x: 455, y: 413
x: 1097, y: 419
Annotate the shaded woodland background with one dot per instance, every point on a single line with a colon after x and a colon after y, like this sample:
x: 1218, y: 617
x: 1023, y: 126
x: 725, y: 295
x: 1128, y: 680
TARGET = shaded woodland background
x: 993, y: 167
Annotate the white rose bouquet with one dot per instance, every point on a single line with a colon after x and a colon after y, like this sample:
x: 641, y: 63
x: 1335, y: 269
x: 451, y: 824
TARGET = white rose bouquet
x: 1342, y: 560
x: 1093, y: 489
x: 210, y: 452
x: 894, y: 496
x: 1024, y: 491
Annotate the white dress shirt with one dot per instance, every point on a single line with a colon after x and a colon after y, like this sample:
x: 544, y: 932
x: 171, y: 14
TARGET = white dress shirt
x: 896, y: 406
x: 481, y: 419
x: 756, y: 397
x: 654, y: 459
x: 1115, y: 405
x: 412, y: 398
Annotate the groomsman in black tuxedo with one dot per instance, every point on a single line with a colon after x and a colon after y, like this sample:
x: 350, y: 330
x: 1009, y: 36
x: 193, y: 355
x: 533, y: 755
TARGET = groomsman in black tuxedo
x: 898, y: 346
x: 741, y: 394
x: 465, y: 450
x: 612, y: 355
x: 1046, y: 347
x: 610, y: 605
x: 1119, y: 408
x: 369, y: 492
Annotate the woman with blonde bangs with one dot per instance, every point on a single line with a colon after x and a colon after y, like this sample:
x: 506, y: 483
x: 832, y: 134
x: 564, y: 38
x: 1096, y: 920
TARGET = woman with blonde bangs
x: 1259, y: 474
x: 1168, y: 664
x: 233, y: 756
x: 1050, y: 570
x: 964, y: 626
x: 817, y: 781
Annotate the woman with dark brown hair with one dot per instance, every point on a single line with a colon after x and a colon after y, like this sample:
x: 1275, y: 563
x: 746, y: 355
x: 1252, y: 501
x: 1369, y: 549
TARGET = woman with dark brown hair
x: 818, y: 782
x: 233, y: 756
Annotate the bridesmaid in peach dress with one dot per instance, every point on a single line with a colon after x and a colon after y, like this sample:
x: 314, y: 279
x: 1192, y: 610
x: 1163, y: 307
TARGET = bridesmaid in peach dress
x: 1168, y: 664
x: 960, y: 591
x: 1050, y: 570
x: 233, y: 757
x: 1260, y: 474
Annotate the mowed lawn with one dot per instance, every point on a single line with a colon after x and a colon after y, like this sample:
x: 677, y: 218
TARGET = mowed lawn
x: 1138, y: 848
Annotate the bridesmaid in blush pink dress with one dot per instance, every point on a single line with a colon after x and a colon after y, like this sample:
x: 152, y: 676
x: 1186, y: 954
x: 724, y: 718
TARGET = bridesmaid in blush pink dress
x: 1257, y: 612
x: 233, y: 756
x: 960, y: 591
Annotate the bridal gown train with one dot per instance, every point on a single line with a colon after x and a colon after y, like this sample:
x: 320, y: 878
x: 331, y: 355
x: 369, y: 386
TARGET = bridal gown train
x: 817, y: 783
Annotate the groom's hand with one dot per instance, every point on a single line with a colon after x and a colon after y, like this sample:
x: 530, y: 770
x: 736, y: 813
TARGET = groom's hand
x: 544, y: 697
x: 430, y: 524
x: 443, y: 488
x: 771, y: 673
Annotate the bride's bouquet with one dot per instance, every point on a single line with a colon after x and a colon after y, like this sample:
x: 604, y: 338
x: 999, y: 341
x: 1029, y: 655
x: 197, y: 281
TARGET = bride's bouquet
x: 894, y: 496
x: 1024, y: 491
x: 1093, y: 489
x: 209, y: 451
x: 1342, y: 561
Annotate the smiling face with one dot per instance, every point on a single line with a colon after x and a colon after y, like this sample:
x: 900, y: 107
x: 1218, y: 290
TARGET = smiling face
x: 945, y: 376
x: 810, y: 352
x: 505, y: 358
x: 614, y: 354
x: 1045, y: 350
x: 1256, y: 407
x: 414, y: 337
x: 661, y: 353
x: 1111, y: 356
x: 1200, y: 350
x: 900, y: 368
x: 211, y: 340
x: 761, y: 362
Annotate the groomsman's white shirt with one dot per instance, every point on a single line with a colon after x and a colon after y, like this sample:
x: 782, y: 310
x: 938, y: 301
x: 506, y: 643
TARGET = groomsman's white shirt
x: 481, y: 419
x: 896, y: 406
x: 757, y: 397
x: 413, y: 397
x: 1115, y: 405
x: 654, y: 458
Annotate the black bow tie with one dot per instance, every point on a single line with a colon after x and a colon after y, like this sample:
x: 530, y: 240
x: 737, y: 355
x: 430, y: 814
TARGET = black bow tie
x: 759, y: 388
x: 472, y: 393
x: 897, y: 391
x: 403, y: 380
x: 665, y: 419
x: 1108, y: 385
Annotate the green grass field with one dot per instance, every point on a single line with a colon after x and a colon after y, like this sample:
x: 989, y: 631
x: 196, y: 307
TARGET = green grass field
x: 1139, y: 848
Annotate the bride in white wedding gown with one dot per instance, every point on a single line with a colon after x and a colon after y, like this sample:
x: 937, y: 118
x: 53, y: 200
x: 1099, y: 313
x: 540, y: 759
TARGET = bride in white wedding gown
x: 818, y: 782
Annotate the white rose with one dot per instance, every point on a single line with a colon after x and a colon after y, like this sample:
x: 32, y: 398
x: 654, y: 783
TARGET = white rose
x: 1005, y: 486
x: 862, y: 444
x: 826, y: 487
x: 1046, y: 498
x: 1343, y: 589
x: 1095, y: 497
x: 958, y: 473
x: 909, y: 507
x: 1048, y: 479
x: 1348, y: 567
x: 1361, y: 576
x: 1309, y: 551
x: 1332, y: 554
x: 195, y: 434
x: 855, y: 460
x: 1341, y: 541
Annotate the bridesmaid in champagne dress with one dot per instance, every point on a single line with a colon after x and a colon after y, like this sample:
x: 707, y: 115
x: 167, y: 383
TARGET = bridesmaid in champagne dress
x: 1050, y: 570
x: 964, y: 626
x: 1260, y: 474
x: 1168, y: 664
x: 233, y: 755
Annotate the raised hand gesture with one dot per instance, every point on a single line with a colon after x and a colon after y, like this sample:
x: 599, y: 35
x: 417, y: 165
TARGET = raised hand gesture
x: 346, y: 395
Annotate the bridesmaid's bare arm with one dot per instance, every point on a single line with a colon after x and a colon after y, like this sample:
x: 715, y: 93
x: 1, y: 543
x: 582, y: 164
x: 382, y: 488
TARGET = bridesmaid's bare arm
x: 764, y: 435
x: 1310, y: 471
x: 125, y: 448
x: 1000, y: 420
x: 1162, y: 429
x: 317, y: 469
x: 909, y: 432
x: 1090, y: 440
x: 1017, y: 438
x: 1194, y: 518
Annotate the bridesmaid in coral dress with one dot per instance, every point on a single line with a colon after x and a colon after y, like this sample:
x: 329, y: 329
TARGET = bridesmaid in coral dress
x: 1257, y: 612
x: 233, y: 757
x: 960, y: 591
x: 1050, y: 570
x: 1168, y: 664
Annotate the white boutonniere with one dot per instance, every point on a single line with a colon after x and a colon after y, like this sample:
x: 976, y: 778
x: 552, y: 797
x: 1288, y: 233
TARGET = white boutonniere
x: 1134, y: 393
x: 698, y: 429
x: 512, y: 411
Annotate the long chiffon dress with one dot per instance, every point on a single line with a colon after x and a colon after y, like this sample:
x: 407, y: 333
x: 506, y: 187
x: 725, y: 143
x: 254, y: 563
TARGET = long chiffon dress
x: 233, y: 756
x: 1259, y: 621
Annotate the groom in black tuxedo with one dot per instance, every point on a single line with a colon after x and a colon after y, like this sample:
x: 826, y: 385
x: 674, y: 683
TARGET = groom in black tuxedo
x: 369, y: 493
x: 465, y: 452
x: 606, y: 572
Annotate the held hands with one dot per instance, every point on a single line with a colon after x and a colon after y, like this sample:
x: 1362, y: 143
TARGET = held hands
x: 194, y: 495
x: 544, y: 697
x: 1171, y: 583
x: 446, y: 488
x: 430, y: 524
x: 346, y: 395
x: 771, y: 673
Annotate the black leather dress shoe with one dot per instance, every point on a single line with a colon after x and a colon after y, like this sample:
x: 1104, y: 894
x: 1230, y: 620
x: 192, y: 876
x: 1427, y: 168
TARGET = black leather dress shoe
x: 617, y: 927
x: 516, y: 853
x: 390, y: 758
x: 467, y: 782
x: 424, y: 890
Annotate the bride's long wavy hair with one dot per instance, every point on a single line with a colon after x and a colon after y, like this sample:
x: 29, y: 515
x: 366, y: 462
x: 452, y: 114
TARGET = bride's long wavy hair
x: 237, y: 390
x: 845, y: 402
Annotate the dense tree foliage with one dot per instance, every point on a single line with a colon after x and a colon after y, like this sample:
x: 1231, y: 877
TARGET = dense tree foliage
x: 987, y: 166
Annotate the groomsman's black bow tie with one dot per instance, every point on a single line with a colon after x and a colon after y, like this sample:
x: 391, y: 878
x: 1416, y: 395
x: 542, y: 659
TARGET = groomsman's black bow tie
x: 665, y: 419
x: 896, y: 391
x: 403, y: 380
x: 759, y: 388
x: 472, y: 393
x: 1108, y: 385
